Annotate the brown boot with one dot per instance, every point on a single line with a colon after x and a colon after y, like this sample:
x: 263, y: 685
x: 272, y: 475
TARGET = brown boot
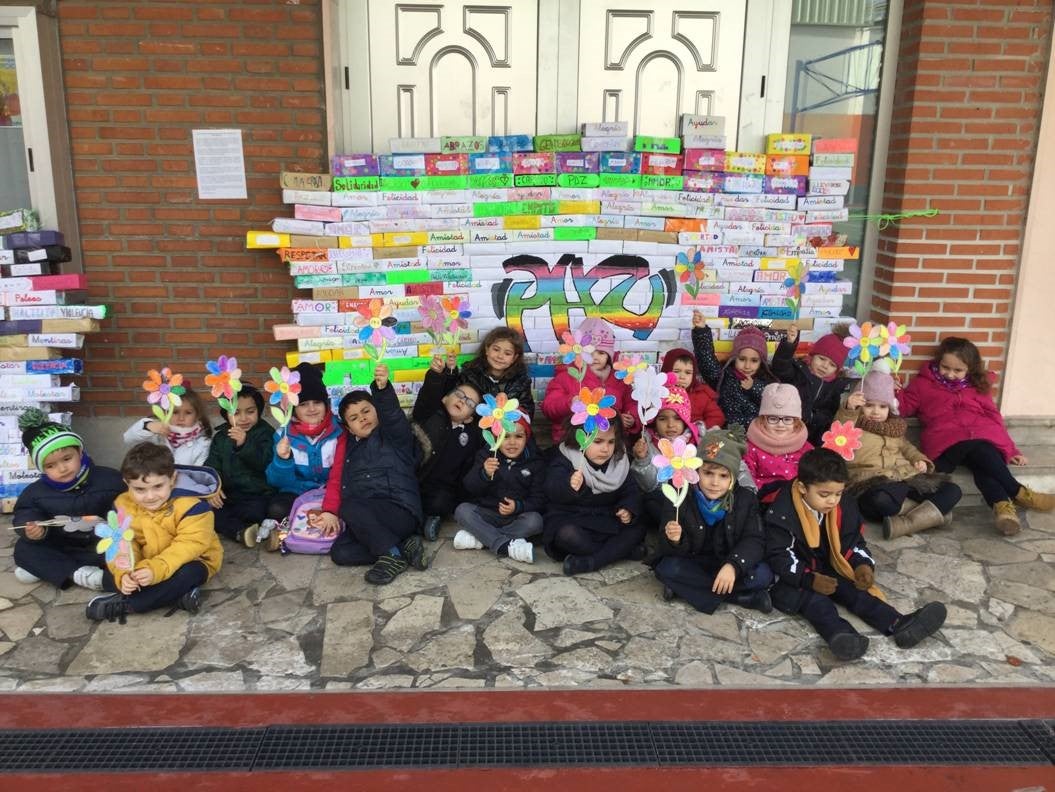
x: 1037, y: 501
x: 1006, y: 518
x: 924, y: 516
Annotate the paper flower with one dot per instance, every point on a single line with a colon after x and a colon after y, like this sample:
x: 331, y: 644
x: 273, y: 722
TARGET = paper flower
x: 843, y: 439
x: 433, y: 318
x: 864, y: 344
x: 592, y: 410
x: 896, y: 340
x: 225, y: 379
x: 677, y: 462
x: 498, y: 410
x: 650, y: 389
x: 284, y: 387
x: 575, y: 348
x: 115, y: 539
x: 375, y: 322
x: 456, y: 314
x: 626, y: 368
x: 163, y: 392
x: 689, y: 265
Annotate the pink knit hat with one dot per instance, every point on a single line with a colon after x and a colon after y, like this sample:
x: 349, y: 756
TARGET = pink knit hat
x: 878, y: 386
x: 601, y: 336
x: 832, y: 347
x: 750, y: 337
x: 678, y: 401
x: 781, y: 399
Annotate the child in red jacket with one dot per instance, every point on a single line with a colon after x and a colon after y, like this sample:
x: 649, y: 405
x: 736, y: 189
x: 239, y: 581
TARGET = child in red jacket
x: 703, y: 400
x: 962, y: 426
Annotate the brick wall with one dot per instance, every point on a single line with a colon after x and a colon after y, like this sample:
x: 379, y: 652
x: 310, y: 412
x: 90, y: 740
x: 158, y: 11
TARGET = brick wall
x: 963, y: 138
x: 139, y: 76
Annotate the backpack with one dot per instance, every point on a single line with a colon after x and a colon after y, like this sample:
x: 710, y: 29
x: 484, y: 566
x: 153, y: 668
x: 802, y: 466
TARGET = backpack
x: 301, y: 537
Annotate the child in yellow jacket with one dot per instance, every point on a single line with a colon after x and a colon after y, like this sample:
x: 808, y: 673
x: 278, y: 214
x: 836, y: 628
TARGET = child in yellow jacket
x: 175, y: 546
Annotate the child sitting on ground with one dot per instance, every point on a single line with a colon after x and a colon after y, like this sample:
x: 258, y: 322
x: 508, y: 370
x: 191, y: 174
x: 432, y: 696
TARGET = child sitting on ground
x: 499, y: 368
x: 776, y: 440
x: 187, y: 434
x: 712, y: 546
x: 241, y: 451
x: 702, y: 398
x: 740, y: 380
x: 70, y: 485
x: 175, y: 549
x: 372, y: 486
x: 593, y: 504
x: 448, y: 438
x: 819, y: 378
x: 893, y: 480
x: 816, y: 550
x: 507, y: 492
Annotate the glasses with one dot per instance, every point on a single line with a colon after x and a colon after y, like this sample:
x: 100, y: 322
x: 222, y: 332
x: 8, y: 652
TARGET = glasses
x: 470, y: 403
x: 773, y: 420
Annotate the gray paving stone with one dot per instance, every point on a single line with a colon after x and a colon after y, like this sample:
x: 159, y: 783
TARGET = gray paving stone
x: 149, y: 642
x: 1034, y: 573
x: 1037, y: 629
x: 510, y: 643
x: 17, y: 622
x: 562, y: 602
x: 280, y: 657
x: 695, y: 674
x: 993, y: 550
x: 66, y: 621
x: 446, y: 651
x: 348, y: 638
x: 411, y: 623
x: 963, y: 580
x: 473, y: 595
x: 736, y: 677
x: 585, y: 659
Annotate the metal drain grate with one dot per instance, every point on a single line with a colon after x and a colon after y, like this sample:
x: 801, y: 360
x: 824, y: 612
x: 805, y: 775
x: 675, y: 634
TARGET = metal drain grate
x: 663, y: 743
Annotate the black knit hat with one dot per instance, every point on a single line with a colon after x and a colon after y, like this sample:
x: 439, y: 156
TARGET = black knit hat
x: 311, y: 387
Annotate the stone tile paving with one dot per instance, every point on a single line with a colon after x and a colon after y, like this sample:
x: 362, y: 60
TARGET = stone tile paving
x: 274, y: 623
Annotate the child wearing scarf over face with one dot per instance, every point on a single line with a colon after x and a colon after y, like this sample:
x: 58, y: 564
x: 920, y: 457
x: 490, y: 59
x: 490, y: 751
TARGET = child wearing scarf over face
x: 71, y: 485
x: 776, y: 440
x: 713, y: 551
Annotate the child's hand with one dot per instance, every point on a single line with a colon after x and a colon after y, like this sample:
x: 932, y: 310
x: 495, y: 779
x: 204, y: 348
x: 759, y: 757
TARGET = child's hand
x: 143, y: 576
x: 673, y: 531
x: 491, y: 466
x: 723, y: 583
x: 864, y: 577
x: 823, y: 584
x: 624, y: 516
x: 237, y: 436
x: 326, y: 522
x: 437, y: 364
x: 158, y: 428
x: 34, y: 531
x: 856, y: 400
x: 793, y: 334
x: 576, y: 480
x: 282, y: 448
x: 216, y: 499
x: 381, y: 376
x: 697, y: 319
x: 747, y: 382
x: 128, y: 585
x: 627, y: 419
x: 640, y: 449
x: 452, y: 362
x: 507, y: 507
x: 1019, y: 459
x: 921, y: 466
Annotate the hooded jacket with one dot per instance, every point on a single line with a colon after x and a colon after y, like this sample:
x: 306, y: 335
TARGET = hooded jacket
x: 820, y: 399
x: 309, y: 462
x: 522, y: 480
x: 435, y: 433
x: 739, y: 405
x: 514, y: 386
x: 242, y: 469
x: 94, y: 497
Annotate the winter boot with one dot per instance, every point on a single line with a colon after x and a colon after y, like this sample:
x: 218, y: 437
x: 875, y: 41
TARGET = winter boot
x: 848, y: 645
x: 924, y: 516
x: 1006, y: 518
x: 1036, y: 501
x: 914, y: 627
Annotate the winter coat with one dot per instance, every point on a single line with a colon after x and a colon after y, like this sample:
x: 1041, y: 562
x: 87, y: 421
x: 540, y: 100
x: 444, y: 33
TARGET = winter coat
x: 192, y: 453
x: 521, y: 480
x: 791, y: 558
x: 893, y: 458
x: 556, y: 405
x: 820, y: 399
x: 308, y: 466
x: 736, y: 539
x: 949, y: 417
x: 242, y: 469
x: 179, y: 532
x: 94, y: 497
x: 740, y: 406
x: 767, y: 468
x: 514, y: 386
x: 565, y: 504
x: 380, y: 466
x: 702, y: 398
x: 442, y: 454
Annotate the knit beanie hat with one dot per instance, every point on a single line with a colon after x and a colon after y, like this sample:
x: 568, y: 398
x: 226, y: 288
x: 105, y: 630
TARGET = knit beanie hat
x: 678, y: 400
x: 42, y: 436
x: 750, y: 337
x: 832, y: 347
x: 781, y: 399
x: 524, y: 421
x: 878, y: 386
x: 601, y: 336
x: 723, y: 447
x: 311, y: 387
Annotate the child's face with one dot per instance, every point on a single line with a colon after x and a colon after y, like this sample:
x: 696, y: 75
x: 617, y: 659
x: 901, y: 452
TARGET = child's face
x: 685, y: 372
x: 247, y: 415
x: 602, y: 448
x: 151, y: 491
x: 822, y: 497
x: 822, y: 366
x: 461, y: 403
x: 875, y: 411
x: 310, y: 412
x: 184, y: 416
x: 951, y: 367
x: 669, y: 425
x: 747, y: 362
x: 513, y: 446
x: 360, y: 418
x: 780, y: 425
x: 715, y: 481
x: 500, y: 356
x: 599, y: 361
x: 62, y: 465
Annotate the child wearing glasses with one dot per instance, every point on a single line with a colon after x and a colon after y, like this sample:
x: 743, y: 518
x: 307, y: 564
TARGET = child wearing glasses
x: 776, y: 440
x: 444, y: 425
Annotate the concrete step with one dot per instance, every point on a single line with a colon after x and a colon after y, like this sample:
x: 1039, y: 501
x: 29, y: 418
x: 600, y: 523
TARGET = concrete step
x: 1039, y: 474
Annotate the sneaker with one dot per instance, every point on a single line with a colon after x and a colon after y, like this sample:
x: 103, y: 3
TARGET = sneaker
x: 191, y: 601
x: 108, y: 607
x: 577, y: 565
x: 431, y: 529
x: 25, y: 576
x: 414, y: 552
x: 916, y: 626
x: 463, y: 540
x: 385, y: 569
x: 248, y: 536
x: 521, y: 550
x: 848, y: 645
x: 88, y: 577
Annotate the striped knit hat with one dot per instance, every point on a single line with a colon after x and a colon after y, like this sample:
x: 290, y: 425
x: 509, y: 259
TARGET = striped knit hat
x: 42, y: 436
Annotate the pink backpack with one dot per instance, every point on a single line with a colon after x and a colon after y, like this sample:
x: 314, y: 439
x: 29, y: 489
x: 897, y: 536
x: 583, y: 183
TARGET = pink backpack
x: 301, y: 537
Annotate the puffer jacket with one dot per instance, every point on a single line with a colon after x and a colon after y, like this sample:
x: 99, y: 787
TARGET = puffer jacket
x: 702, y: 397
x: 740, y: 406
x: 242, y: 469
x: 556, y: 405
x: 514, y: 386
x: 894, y: 458
x: 820, y: 399
x: 522, y: 480
x: 308, y: 466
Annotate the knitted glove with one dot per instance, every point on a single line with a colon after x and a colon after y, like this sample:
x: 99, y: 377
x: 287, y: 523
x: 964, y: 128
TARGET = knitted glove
x: 864, y: 576
x: 822, y: 584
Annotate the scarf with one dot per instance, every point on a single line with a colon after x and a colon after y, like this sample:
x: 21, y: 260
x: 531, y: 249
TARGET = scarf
x: 312, y: 431
x: 759, y: 433
x: 177, y: 437
x: 80, y: 478
x: 949, y: 384
x: 599, y: 480
x: 812, y: 531
x: 712, y: 511
x: 891, y: 427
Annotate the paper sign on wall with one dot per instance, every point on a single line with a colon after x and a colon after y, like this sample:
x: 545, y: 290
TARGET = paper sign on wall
x: 219, y: 164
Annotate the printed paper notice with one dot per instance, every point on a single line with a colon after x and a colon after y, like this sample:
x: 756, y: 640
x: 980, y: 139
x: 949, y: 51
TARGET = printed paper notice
x: 219, y: 164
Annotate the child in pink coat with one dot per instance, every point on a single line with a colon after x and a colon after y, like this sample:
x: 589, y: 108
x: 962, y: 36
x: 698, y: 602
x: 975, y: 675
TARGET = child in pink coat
x: 961, y: 425
x: 776, y: 440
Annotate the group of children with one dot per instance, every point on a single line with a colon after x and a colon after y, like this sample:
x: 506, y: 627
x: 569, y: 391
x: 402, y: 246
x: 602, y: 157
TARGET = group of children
x: 774, y: 520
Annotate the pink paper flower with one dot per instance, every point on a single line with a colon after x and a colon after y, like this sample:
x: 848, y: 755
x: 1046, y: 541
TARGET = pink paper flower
x: 677, y: 462
x: 843, y: 439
